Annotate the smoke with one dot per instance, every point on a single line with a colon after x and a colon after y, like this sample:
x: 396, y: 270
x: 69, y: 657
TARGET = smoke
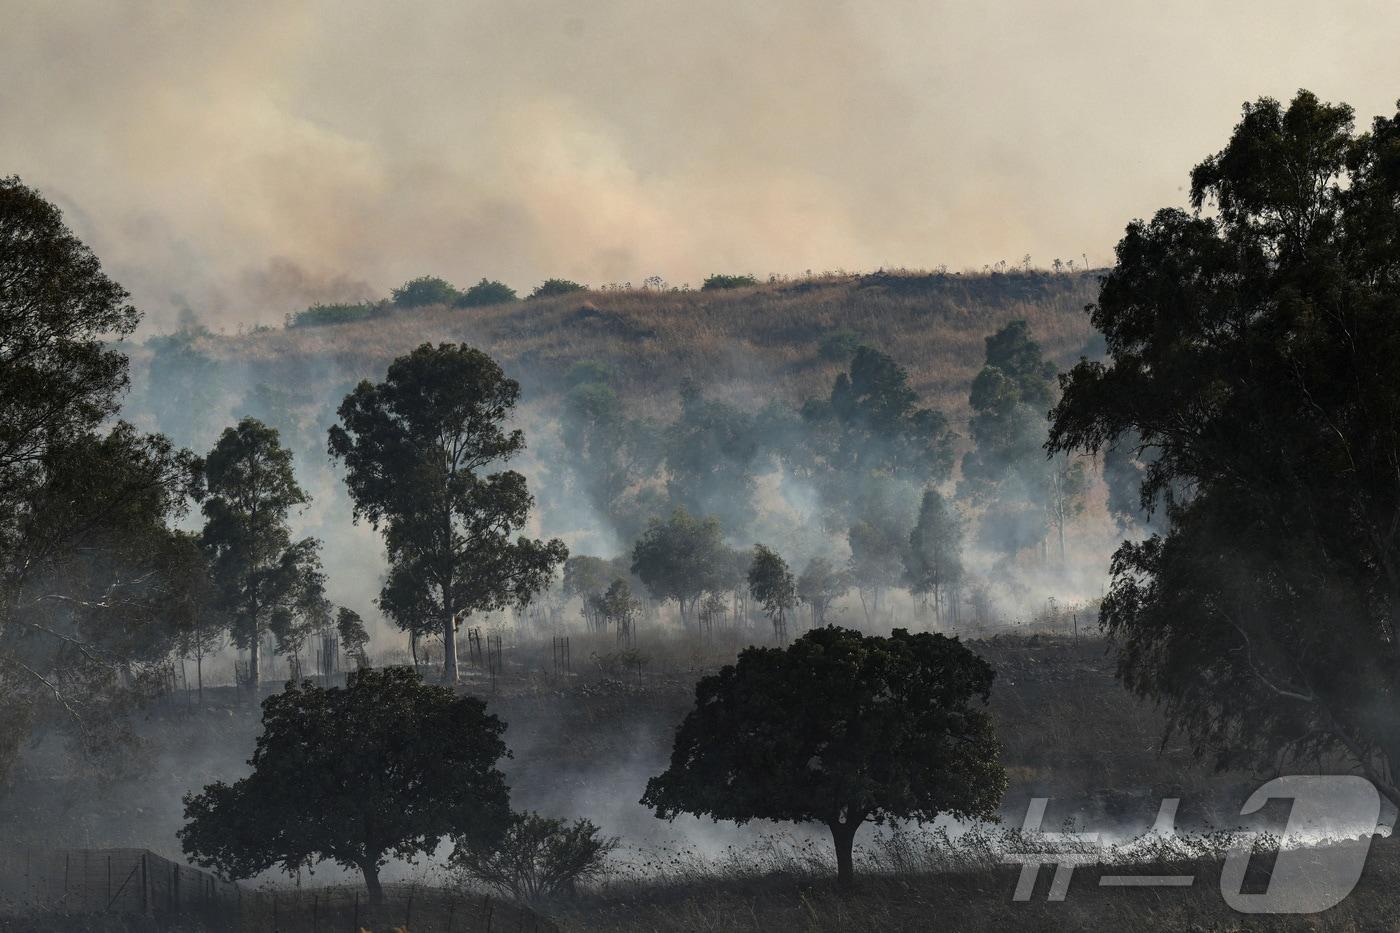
x: 242, y: 160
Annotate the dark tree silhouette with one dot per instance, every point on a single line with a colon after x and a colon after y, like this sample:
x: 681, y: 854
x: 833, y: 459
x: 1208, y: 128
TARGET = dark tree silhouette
x: 260, y: 571
x: 386, y: 766
x: 415, y: 448
x: 1254, y: 365
x: 838, y: 728
x: 486, y: 292
x: 933, y: 562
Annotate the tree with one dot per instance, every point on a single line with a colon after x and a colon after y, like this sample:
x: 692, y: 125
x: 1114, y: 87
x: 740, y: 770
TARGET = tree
x: 720, y: 282
x: 550, y: 288
x: 260, y: 571
x: 1006, y: 467
x: 385, y: 766
x: 681, y: 558
x: 425, y: 290
x: 587, y: 578
x: 538, y: 859
x: 711, y: 454
x: 1064, y: 498
x: 415, y: 448
x: 772, y: 584
x: 353, y: 637
x: 91, y: 574
x: 618, y: 608
x: 486, y: 293
x: 868, y: 432
x: 878, y: 541
x: 933, y: 563
x: 838, y: 728
x: 1254, y: 366
x: 610, y: 454
x: 819, y: 585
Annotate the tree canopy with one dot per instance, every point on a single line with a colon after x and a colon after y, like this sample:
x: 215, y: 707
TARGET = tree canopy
x: 1254, y: 367
x: 486, y: 292
x: 385, y: 766
x: 416, y: 447
x: 260, y: 571
x: 838, y: 728
x: 682, y: 558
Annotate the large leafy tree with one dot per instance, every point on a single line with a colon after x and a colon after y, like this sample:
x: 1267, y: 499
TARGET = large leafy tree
x: 682, y: 558
x: 416, y: 447
x: 261, y: 572
x: 90, y: 572
x: 1254, y: 364
x: 386, y: 766
x: 838, y: 728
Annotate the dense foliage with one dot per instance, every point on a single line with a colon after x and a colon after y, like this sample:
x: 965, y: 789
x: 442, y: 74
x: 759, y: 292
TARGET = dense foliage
x: 1254, y: 363
x: 838, y: 728
x: 386, y: 766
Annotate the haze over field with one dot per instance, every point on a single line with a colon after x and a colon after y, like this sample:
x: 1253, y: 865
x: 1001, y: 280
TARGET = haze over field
x: 245, y: 160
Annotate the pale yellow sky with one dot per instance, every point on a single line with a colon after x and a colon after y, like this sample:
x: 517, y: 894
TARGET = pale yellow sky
x: 244, y: 159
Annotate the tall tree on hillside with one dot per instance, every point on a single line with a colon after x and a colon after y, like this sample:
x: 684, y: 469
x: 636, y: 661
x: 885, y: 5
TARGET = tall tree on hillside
x: 878, y: 541
x: 415, y: 448
x: 682, y: 558
x: 712, y: 452
x: 772, y: 584
x: 870, y: 429
x: 933, y: 562
x: 1254, y: 364
x: 1006, y: 468
x: 260, y: 570
x: 610, y: 454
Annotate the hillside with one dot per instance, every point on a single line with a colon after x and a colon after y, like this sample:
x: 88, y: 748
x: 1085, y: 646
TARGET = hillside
x: 765, y: 341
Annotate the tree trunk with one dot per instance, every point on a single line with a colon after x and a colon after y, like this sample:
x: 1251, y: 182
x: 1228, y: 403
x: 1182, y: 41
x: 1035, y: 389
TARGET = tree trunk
x: 376, y: 890
x: 254, y: 662
x: 199, y: 675
x: 844, y: 836
x: 449, y: 651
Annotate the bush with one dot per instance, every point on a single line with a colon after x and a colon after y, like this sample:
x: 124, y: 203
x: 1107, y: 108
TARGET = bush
x: 425, y: 290
x: 538, y: 859
x: 322, y: 315
x: 486, y: 293
x: 716, y: 282
x: 839, y: 346
x: 551, y: 287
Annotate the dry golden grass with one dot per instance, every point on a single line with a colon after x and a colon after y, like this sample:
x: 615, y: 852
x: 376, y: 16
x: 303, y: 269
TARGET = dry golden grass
x: 760, y: 342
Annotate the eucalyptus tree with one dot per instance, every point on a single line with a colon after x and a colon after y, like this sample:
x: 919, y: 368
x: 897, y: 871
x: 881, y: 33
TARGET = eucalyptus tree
x: 1254, y: 368
x: 261, y: 573
x: 417, y: 448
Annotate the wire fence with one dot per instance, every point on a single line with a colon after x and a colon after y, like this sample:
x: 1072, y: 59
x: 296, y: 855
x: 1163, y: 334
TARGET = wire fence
x: 136, y: 889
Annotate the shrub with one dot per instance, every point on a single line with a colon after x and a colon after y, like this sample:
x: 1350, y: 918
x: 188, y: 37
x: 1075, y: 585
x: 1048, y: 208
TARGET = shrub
x: 319, y: 315
x: 425, y: 290
x: 717, y: 282
x: 551, y: 287
x: 486, y: 292
x: 538, y: 859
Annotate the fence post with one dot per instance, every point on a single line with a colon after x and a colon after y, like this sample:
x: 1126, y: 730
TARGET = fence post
x: 145, y: 885
x: 355, y: 925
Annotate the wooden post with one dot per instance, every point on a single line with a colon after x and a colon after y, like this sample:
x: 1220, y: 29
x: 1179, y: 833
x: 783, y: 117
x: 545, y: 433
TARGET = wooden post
x: 145, y: 886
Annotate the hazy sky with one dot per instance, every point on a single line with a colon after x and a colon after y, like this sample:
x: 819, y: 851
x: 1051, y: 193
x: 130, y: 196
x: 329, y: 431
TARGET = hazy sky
x: 243, y: 159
